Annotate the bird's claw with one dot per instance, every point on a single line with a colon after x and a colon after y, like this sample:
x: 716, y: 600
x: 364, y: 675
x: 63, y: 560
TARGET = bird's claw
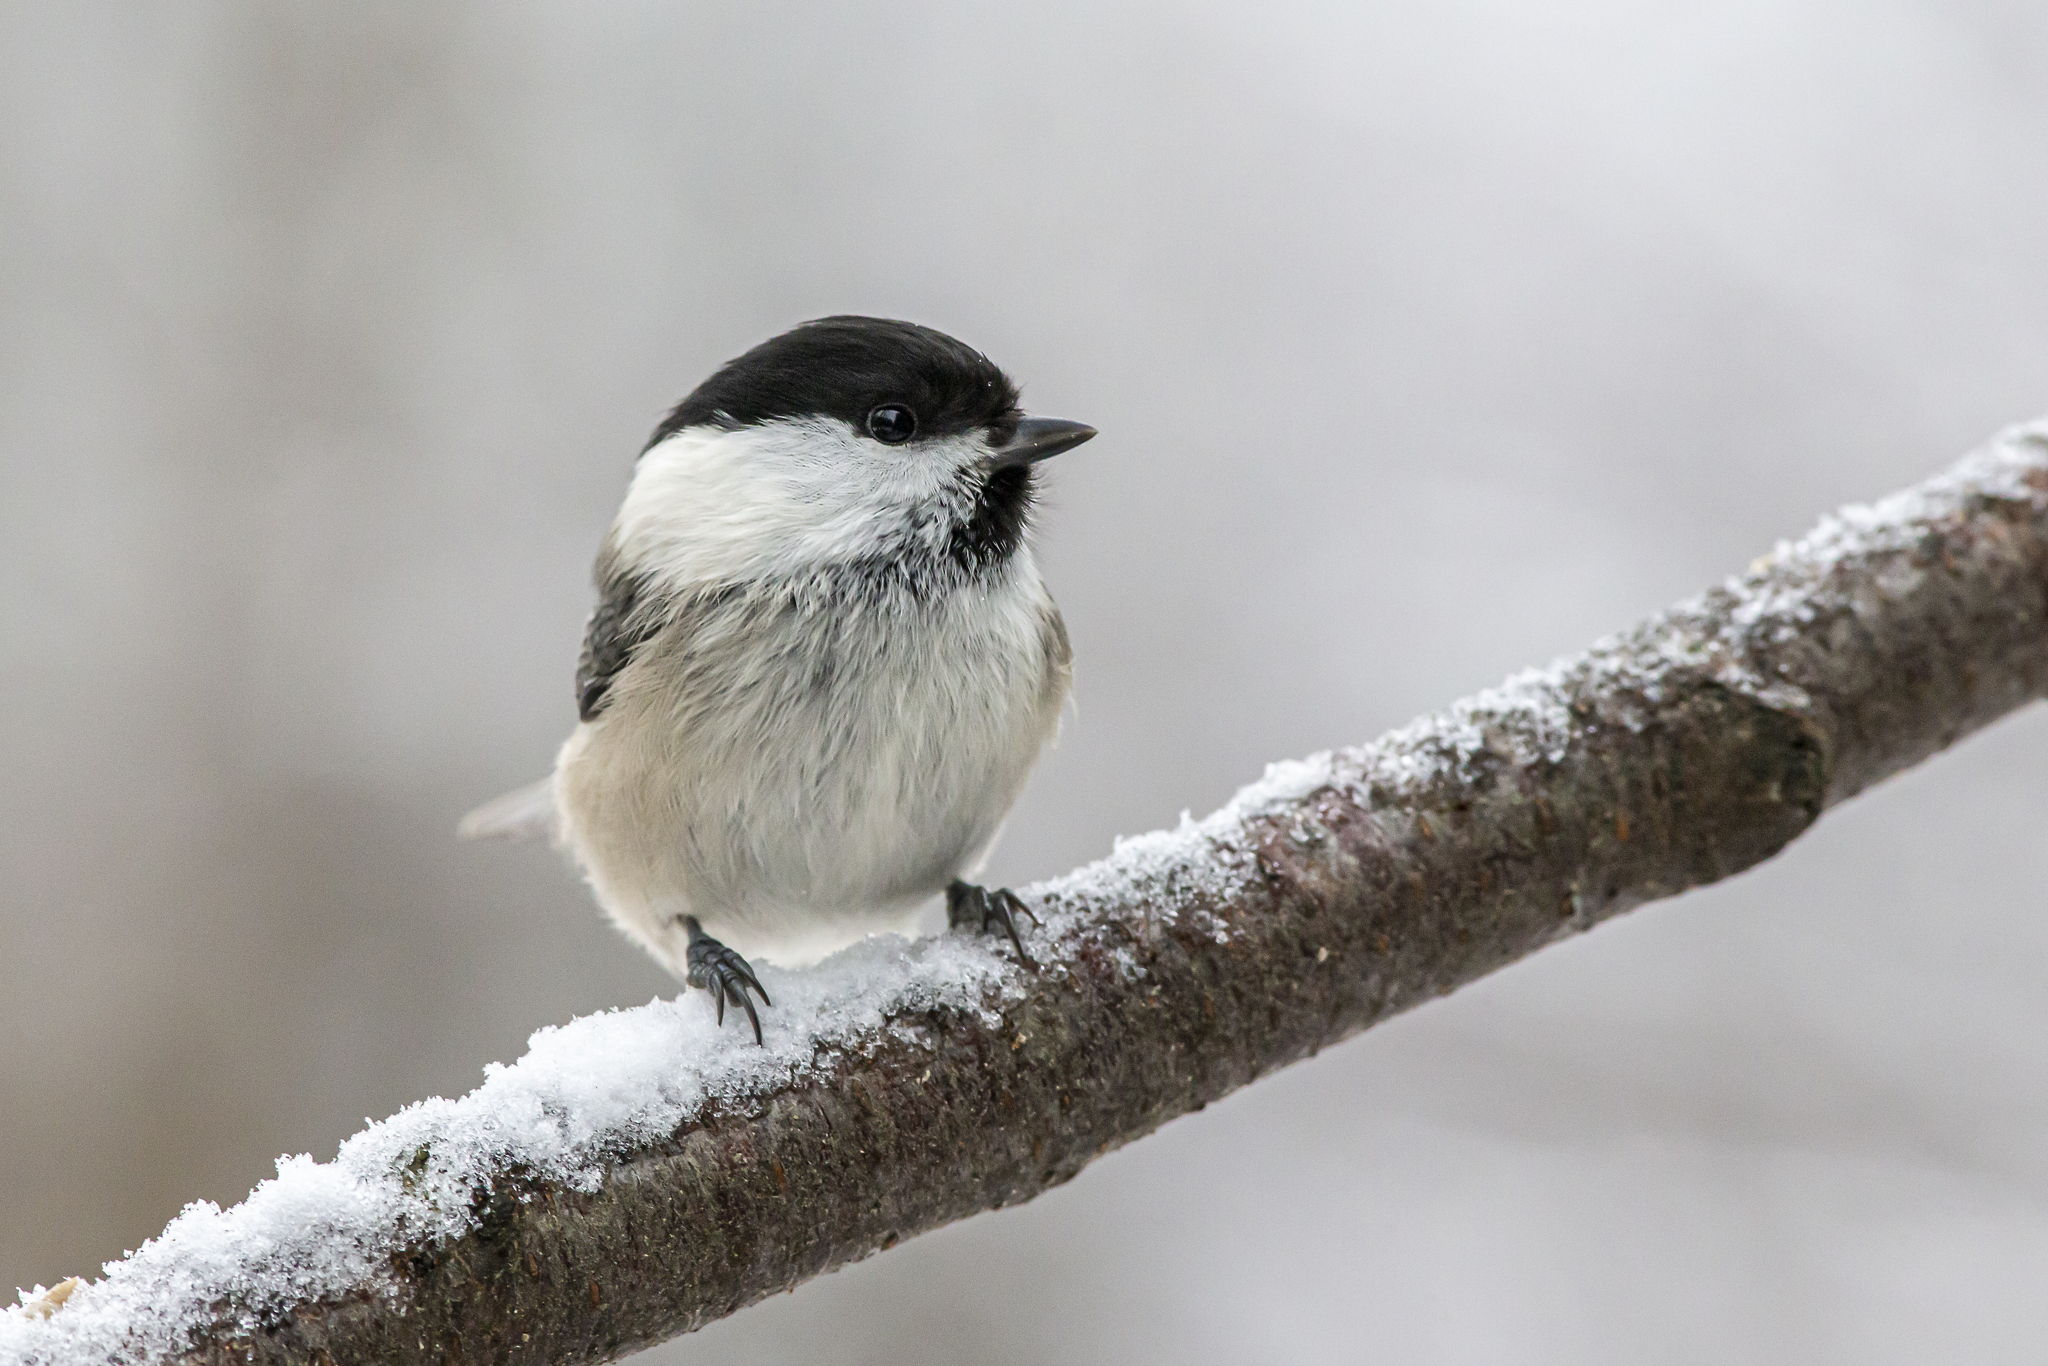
x: 980, y: 908
x: 726, y: 975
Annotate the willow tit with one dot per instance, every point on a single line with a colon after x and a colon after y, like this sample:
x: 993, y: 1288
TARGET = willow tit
x: 822, y: 661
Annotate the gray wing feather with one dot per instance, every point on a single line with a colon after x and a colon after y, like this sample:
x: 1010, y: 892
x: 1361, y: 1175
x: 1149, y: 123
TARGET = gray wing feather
x: 617, y: 627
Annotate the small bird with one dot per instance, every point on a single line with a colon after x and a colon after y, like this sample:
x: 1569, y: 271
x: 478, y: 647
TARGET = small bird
x: 822, y: 660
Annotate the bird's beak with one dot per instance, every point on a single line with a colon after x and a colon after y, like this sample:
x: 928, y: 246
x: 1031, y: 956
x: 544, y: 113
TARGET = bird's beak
x: 1039, y: 438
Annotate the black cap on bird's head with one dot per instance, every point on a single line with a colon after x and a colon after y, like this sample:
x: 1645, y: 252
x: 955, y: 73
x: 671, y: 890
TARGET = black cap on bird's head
x: 891, y: 381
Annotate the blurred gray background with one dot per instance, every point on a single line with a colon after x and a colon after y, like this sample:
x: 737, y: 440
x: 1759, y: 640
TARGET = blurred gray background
x: 1427, y: 342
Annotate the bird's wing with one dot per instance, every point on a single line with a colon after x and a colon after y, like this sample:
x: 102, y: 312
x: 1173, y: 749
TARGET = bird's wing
x: 617, y: 627
x: 526, y: 813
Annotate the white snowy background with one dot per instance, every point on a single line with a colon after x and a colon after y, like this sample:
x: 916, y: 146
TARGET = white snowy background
x: 1426, y: 342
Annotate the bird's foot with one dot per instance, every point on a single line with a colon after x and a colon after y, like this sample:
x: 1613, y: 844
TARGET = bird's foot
x: 723, y: 973
x: 983, y: 908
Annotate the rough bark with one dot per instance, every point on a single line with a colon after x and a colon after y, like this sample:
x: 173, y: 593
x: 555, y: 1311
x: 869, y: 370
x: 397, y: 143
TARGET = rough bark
x: 1341, y: 891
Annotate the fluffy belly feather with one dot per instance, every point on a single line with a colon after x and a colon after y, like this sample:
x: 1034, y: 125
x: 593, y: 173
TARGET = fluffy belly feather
x: 797, y: 774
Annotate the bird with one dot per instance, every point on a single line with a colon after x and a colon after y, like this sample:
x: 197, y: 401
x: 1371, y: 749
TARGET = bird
x: 822, y: 661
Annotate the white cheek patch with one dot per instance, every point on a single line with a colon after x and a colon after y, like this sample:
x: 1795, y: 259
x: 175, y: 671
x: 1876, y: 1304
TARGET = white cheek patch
x: 784, y: 497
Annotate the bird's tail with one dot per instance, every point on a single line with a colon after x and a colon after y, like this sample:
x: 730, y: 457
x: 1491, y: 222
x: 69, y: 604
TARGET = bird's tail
x: 526, y: 813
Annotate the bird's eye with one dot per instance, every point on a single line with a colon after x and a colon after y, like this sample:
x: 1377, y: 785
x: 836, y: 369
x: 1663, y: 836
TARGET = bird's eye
x: 892, y: 424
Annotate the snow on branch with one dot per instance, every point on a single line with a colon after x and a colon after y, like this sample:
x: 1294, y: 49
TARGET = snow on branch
x: 640, y: 1173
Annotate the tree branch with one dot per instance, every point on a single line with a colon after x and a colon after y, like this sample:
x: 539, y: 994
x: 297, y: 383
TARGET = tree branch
x: 638, y: 1174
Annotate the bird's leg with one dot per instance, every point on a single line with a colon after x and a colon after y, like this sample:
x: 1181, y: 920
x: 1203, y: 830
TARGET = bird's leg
x: 723, y: 973
x: 982, y: 909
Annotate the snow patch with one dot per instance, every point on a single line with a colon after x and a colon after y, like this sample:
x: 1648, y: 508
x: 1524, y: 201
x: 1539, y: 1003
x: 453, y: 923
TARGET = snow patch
x: 585, y: 1090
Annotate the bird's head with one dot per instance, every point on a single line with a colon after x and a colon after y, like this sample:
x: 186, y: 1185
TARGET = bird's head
x: 843, y: 441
